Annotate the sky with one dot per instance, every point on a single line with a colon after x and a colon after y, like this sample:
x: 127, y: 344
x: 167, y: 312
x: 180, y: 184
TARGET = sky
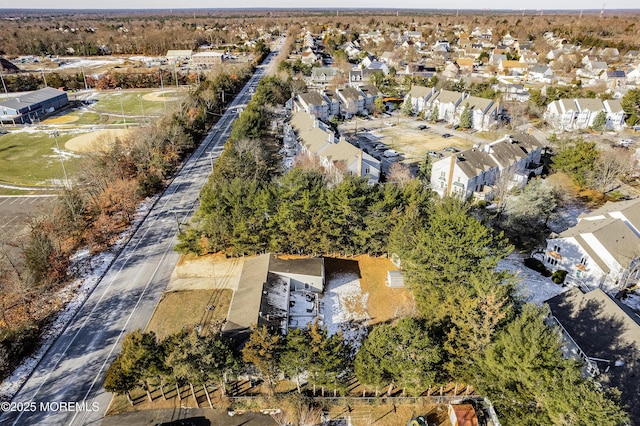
x: 402, y: 4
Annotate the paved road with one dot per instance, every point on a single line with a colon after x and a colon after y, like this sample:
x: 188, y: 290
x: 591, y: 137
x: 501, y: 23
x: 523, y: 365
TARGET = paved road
x: 73, y: 369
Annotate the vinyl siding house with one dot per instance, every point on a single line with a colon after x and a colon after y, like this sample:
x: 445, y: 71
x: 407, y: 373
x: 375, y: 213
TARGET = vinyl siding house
x: 473, y: 172
x: 561, y: 114
x: 352, y: 101
x: 314, y: 103
x: 447, y: 102
x: 588, y: 109
x: 602, y: 250
x: 370, y: 93
x: 419, y: 97
x: 484, y: 112
x: 615, y: 114
x: 338, y: 157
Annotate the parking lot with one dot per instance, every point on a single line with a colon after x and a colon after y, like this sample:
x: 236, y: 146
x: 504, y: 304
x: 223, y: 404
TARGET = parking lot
x: 411, y: 138
x: 15, y: 213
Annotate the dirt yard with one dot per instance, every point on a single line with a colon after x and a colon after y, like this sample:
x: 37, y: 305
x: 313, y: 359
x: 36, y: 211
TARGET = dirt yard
x: 95, y: 141
x: 206, y: 309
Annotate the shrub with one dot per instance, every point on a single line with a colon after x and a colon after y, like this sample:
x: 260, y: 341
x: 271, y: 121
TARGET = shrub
x: 559, y: 276
x: 536, y: 265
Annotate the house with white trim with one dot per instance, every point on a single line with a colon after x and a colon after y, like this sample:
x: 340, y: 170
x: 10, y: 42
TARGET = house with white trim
x: 484, y: 112
x: 474, y: 172
x: 588, y: 109
x: 419, y: 97
x: 602, y: 250
x: 561, y: 114
x: 447, y: 102
x: 314, y: 103
x: 615, y: 114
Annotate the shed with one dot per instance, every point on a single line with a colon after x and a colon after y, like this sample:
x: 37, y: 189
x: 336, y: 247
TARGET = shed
x: 395, y: 279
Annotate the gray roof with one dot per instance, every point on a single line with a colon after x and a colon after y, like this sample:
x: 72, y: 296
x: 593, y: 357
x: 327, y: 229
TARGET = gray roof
x: 614, y: 105
x: 312, y: 98
x: 421, y: 92
x: 350, y: 93
x: 604, y: 328
x: 313, y: 266
x: 245, y: 303
x: 370, y: 90
x: 539, y: 69
x: 588, y: 104
x: 448, y: 96
x: 8, y: 67
x: 32, y: 98
x: 477, y: 103
x: 472, y: 161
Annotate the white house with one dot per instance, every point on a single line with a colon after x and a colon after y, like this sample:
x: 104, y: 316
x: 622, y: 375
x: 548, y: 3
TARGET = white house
x: 352, y: 101
x: 419, y: 97
x: 474, y: 172
x: 540, y: 73
x: 484, y: 112
x: 588, y: 109
x: 602, y: 250
x: 337, y: 156
x: 561, y: 114
x: 314, y: 103
x: 615, y: 114
x: 447, y: 102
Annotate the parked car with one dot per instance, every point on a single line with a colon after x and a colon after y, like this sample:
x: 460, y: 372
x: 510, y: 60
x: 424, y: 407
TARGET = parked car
x: 388, y: 123
x: 423, y: 127
x: 447, y: 135
x: 391, y: 153
x: 625, y: 142
x: 451, y: 149
x: 380, y: 146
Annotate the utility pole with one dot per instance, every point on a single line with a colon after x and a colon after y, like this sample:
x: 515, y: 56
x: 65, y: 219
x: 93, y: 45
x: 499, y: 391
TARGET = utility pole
x: 45, y: 79
x: 122, y: 107
x: 84, y: 78
x: 64, y: 170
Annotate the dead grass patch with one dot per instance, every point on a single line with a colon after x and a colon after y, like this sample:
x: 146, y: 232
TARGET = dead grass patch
x: 179, y: 309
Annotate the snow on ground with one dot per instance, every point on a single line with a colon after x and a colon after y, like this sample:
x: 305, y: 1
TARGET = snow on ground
x: 632, y: 300
x: 345, y: 307
x: 566, y: 217
x: 89, y: 63
x: 90, y: 270
x: 534, y: 287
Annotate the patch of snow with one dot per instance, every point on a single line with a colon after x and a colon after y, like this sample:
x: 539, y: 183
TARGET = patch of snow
x: 566, y: 217
x: 346, y: 308
x: 90, y: 271
x: 534, y: 287
x: 632, y: 300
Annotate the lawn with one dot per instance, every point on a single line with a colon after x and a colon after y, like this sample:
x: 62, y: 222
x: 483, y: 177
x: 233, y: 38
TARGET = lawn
x: 190, y: 308
x: 30, y: 158
x: 135, y: 103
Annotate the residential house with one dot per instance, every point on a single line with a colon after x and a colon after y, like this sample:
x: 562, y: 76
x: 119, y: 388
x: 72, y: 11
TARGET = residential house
x: 588, y: 109
x: 370, y: 93
x: 474, y: 172
x: 512, y: 91
x: 377, y: 66
x: 308, y: 57
x: 309, y: 41
x: 447, y: 102
x: 541, y: 73
x: 352, y: 101
x: 615, y: 78
x: 271, y: 292
x: 604, y: 334
x: 356, y: 75
x: 421, y: 70
x: 466, y: 65
x: 451, y: 71
x: 529, y: 58
x: 602, y: 250
x: 334, y: 103
x: 615, y: 114
x: 561, y: 114
x: 512, y: 68
x: 323, y: 75
x: 351, y: 49
x: 338, y: 157
x: 314, y: 103
x: 484, y: 112
x: 419, y: 97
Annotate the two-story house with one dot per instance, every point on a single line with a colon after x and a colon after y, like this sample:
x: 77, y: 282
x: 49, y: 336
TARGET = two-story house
x: 602, y: 250
x: 484, y: 112
x: 447, y: 102
x: 474, y: 172
x: 588, y: 109
x: 314, y: 103
x: 352, y: 101
x: 561, y: 114
x: 615, y: 114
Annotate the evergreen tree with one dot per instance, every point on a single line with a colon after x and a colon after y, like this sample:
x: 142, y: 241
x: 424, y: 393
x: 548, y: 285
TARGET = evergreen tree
x: 435, y: 114
x: 465, y: 118
x: 296, y: 355
x: 577, y: 159
x: 141, y: 358
x: 599, y: 121
x: 526, y: 377
x: 118, y: 380
x: 263, y: 350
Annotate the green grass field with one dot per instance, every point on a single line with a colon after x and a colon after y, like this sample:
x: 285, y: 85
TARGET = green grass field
x: 133, y: 103
x: 30, y: 159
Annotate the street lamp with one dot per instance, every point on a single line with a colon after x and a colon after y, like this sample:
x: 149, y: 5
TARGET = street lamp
x: 119, y: 89
x: 64, y: 170
x: 141, y: 107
